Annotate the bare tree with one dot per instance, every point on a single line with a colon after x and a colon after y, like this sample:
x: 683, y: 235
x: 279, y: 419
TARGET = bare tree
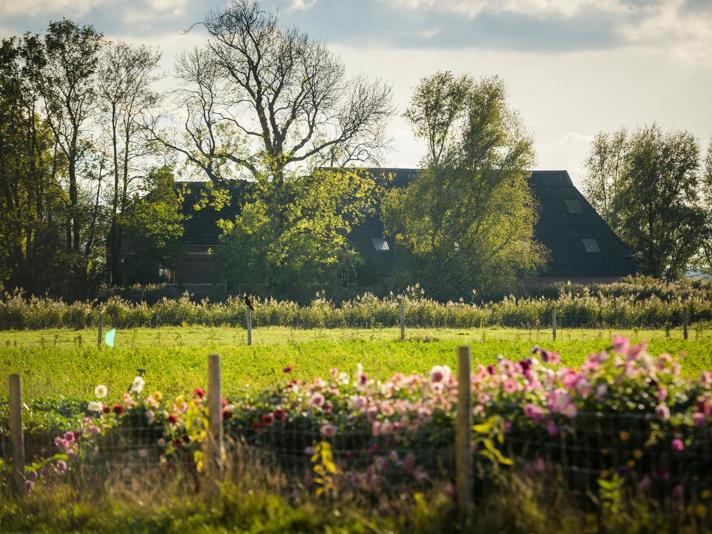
x: 125, y: 77
x: 261, y: 98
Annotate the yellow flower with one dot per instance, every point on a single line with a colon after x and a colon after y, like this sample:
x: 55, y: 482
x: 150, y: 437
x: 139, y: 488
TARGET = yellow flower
x: 625, y: 436
x: 637, y: 454
x: 700, y: 510
x: 706, y: 494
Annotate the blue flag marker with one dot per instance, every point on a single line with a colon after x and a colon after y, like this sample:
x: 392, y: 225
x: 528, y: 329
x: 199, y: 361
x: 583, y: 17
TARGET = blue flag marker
x: 110, y: 337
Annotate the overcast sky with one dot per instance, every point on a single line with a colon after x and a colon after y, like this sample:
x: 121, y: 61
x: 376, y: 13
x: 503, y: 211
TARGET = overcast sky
x: 572, y: 67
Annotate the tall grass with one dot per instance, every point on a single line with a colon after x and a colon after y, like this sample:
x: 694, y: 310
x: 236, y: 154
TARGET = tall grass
x: 584, y: 308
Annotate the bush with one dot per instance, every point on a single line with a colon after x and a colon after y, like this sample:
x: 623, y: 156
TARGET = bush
x: 651, y: 305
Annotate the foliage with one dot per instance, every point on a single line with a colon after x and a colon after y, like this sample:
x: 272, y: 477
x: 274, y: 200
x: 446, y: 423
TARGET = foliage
x: 624, y: 304
x: 153, y: 227
x: 469, y: 215
x: 292, y: 237
x: 379, y: 441
x: 647, y: 186
x: 32, y: 202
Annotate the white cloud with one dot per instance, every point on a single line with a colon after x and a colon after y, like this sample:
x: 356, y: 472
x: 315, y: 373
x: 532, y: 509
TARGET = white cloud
x: 669, y: 25
x: 78, y: 8
x: 302, y: 5
x: 531, y: 8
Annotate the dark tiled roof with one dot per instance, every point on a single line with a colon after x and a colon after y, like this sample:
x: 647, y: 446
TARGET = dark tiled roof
x: 561, y: 231
x: 562, y: 227
x: 564, y: 232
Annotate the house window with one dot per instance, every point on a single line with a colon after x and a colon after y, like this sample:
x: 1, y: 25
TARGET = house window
x: 591, y: 245
x: 381, y: 245
x: 573, y: 205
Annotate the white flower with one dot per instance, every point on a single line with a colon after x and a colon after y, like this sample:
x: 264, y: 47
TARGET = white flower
x: 439, y: 373
x: 150, y: 416
x: 95, y: 406
x: 343, y: 378
x: 100, y: 391
x: 137, y: 384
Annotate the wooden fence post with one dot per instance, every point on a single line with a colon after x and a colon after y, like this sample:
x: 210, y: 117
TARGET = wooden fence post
x: 248, y: 318
x: 402, y: 320
x: 685, y: 320
x: 214, y: 449
x: 463, y: 432
x: 100, y: 336
x: 17, y: 435
x: 553, y: 324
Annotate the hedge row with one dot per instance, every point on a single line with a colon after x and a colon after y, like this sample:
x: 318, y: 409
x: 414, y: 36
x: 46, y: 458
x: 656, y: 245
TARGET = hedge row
x: 584, y: 310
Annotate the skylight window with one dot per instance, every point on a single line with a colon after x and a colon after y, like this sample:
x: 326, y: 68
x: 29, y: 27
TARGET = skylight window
x: 381, y: 245
x: 573, y: 205
x: 591, y: 245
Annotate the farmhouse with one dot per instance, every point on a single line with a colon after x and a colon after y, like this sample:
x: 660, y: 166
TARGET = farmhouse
x: 582, y: 247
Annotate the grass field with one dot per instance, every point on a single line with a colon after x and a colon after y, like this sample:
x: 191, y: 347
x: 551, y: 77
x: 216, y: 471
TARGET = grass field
x: 67, y: 363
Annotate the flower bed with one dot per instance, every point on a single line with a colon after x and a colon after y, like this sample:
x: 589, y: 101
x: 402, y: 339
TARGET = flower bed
x: 623, y: 415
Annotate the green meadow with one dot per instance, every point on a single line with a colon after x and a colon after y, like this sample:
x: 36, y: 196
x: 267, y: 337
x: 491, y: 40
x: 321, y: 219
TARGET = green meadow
x: 67, y: 363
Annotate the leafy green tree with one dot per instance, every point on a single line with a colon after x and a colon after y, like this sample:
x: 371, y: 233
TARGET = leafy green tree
x: 32, y: 202
x: 703, y: 260
x: 604, y: 167
x: 654, y: 202
x: 305, y: 247
x: 153, y: 225
x: 68, y: 85
x: 468, y: 217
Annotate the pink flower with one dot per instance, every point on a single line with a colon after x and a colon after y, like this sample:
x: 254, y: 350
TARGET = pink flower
x: 510, y: 386
x: 69, y: 436
x: 678, y: 445
x: 533, y: 412
x: 61, y: 467
x: 328, y: 431
x: 620, y: 343
x: 699, y: 419
x: 551, y: 428
x: 376, y: 428
x: 439, y: 373
x: 662, y: 412
x: 317, y: 399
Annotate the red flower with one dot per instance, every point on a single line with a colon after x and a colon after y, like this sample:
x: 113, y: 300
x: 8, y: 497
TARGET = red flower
x: 267, y: 419
x: 105, y: 409
x: 118, y: 409
x: 173, y: 418
x: 199, y: 392
x: 224, y: 402
x: 227, y: 414
x: 280, y: 414
x: 256, y: 425
x: 287, y: 369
